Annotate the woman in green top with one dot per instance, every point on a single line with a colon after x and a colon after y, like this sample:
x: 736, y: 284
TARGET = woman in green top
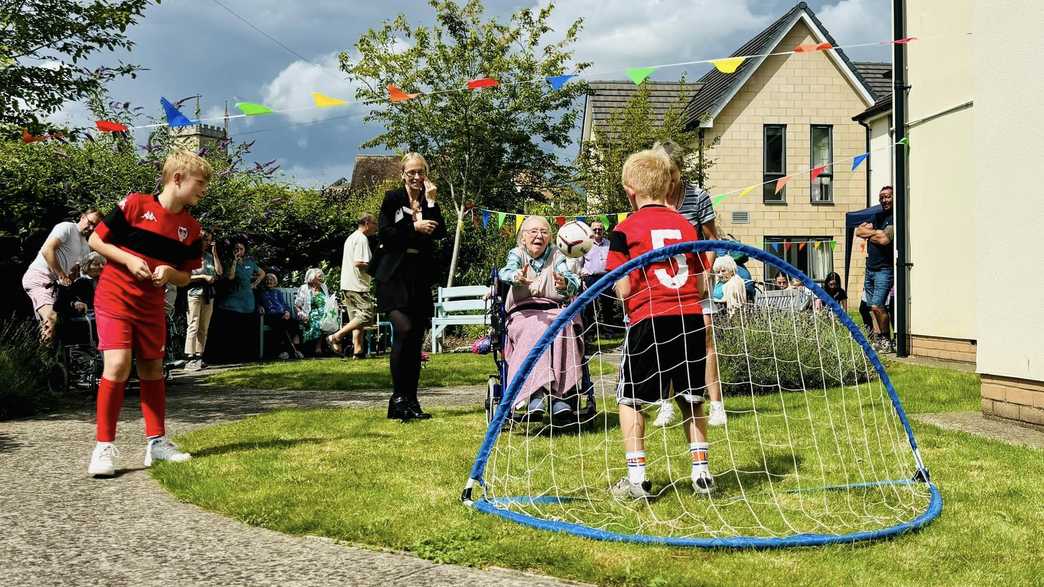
x: 313, y: 303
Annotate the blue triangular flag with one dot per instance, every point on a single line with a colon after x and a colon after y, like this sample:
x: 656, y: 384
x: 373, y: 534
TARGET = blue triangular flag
x: 557, y: 81
x: 859, y: 159
x: 776, y: 246
x: 485, y: 218
x: 174, y: 117
x: 581, y: 219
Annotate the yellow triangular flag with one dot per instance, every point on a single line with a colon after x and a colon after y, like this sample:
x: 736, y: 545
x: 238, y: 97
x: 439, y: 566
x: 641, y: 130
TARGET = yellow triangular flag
x: 747, y: 190
x: 323, y: 101
x: 621, y: 217
x: 729, y: 65
x: 518, y: 222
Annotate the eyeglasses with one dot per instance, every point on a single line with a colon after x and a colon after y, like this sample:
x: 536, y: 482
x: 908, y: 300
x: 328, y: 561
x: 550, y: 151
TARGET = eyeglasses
x: 414, y: 173
x: 536, y: 231
x: 597, y: 230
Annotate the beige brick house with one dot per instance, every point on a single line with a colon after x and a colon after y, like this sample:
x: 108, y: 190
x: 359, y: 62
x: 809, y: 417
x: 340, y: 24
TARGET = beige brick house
x: 775, y: 116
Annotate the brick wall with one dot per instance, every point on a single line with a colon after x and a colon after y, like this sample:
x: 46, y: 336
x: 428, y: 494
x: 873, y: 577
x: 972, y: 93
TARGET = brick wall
x: 951, y: 349
x: 1008, y: 398
x: 798, y: 91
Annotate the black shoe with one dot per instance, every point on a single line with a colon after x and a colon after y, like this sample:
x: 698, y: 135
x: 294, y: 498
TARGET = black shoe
x: 399, y: 408
x: 418, y: 412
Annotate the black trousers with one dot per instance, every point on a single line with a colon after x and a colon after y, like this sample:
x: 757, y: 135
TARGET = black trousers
x: 408, y: 338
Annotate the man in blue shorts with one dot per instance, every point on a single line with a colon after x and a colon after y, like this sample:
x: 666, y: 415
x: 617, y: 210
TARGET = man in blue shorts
x: 880, y: 274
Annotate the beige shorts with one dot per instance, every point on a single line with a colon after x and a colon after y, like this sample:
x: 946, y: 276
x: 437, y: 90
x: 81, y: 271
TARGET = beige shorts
x: 39, y: 286
x: 358, y: 306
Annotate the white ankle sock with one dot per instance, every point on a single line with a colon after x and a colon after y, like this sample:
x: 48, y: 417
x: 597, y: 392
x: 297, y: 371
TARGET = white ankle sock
x: 700, y: 463
x: 636, y: 466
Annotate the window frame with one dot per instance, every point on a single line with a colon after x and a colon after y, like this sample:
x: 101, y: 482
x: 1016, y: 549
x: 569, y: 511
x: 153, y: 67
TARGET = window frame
x: 828, y: 173
x: 769, y: 271
x: 769, y: 179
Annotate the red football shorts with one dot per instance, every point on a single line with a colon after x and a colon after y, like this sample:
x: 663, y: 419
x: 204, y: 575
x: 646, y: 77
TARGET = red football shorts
x: 146, y: 338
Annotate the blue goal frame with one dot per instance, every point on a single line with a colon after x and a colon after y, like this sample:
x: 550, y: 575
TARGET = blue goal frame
x: 495, y: 506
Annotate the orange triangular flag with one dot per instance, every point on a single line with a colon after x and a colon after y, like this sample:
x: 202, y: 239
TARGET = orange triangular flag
x: 812, y: 47
x: 482, y: 82
x: 801, y: 247
x: 31, y: 138
x: 397, y: 95
x: 781, y: 182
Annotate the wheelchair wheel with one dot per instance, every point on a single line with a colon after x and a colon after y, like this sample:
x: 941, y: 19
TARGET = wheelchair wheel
x: 58, y: 378
x: 493, y: 395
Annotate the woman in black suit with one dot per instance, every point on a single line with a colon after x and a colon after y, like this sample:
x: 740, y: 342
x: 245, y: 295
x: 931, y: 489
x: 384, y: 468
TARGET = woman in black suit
x: 409, y: 223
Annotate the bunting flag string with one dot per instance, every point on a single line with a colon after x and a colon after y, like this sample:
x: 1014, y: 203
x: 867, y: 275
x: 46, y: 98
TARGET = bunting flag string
x: 396, y: 95
x: 324, y: 101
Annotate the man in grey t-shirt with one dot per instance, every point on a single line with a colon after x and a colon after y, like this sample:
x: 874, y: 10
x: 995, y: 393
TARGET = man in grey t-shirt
x: 57, y: 263
x: 355, y: 286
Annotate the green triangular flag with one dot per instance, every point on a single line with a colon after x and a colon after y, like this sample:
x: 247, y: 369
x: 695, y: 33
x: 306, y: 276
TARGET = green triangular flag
x: 253, y: 109
x: 500, y: 219
x: 604, y: 220
x: 905, y: 141
x: 833, y: 244
x: 717, y: 199
x: 638, y: 74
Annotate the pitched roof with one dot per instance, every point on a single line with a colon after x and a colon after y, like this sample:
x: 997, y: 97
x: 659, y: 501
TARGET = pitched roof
x: 606, y: 98
x: 718, y: 88
x: 878, y: 76
x: 371, y: 170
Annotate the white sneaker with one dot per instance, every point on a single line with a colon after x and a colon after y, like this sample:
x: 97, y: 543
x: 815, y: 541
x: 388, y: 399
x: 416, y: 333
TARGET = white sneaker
x: 625, y: 490
x: 703, y: 484
x: 666, y: 414
x: 162, y: 449
x: 103, y: 460
x: 717, y: 416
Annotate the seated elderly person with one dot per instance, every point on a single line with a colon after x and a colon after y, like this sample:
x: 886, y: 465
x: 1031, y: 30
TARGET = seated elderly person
x: 316, y: 309
x: 540, y: 285
x: 279, y: 316
x: 729, y: 288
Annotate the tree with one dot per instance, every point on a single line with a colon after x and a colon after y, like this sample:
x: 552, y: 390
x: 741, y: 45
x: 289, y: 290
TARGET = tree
x: 43, y: 46
x: 491, y: 147
x: 631, y: 129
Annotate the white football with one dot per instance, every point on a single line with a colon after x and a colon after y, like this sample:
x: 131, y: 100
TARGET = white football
x: 574, y: 239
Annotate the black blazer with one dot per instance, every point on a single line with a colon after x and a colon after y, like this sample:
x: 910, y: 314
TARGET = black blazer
x: 395, y: 228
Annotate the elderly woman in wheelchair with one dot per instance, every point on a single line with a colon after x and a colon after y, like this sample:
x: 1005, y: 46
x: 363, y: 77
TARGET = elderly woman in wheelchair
x: 539, y: 285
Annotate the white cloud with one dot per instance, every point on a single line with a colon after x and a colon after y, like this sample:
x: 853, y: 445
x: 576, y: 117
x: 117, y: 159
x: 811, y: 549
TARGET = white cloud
x: 317, y: 175
x: 618, y: 34
x: 292, y: 88
x: 859, y: 21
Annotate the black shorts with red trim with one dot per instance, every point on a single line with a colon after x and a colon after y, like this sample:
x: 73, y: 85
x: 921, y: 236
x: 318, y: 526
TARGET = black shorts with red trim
x: 663, y: 353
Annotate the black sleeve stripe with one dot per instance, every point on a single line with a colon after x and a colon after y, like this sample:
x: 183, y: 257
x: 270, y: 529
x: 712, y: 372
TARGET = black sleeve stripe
x: 118, y: 226
x: 618, y: 242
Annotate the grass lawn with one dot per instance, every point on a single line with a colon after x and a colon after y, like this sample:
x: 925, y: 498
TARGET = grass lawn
x: 354, y: 476
x: 442, y: 370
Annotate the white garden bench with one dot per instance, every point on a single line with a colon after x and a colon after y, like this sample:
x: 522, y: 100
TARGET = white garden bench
x: 458, y: 306
x: 787, y: 299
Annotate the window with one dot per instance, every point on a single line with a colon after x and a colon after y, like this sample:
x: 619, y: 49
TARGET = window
x: 813, y: 255
x: 822, y: 154
x: 775, y: 162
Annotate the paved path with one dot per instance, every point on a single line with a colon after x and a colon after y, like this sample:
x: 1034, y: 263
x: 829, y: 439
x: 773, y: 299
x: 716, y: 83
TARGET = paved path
x: 977, y: 424
x: 57, y: 526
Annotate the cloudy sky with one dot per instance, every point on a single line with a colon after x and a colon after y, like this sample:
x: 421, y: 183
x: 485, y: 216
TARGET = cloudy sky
x: 199, y: 47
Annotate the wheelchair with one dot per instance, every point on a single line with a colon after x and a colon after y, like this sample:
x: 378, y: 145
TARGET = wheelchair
x: 496, y: 383
x: 79, y: 362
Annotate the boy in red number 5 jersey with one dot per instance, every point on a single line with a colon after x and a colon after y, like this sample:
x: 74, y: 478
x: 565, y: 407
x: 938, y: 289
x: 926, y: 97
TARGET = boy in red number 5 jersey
x: 664, y: 345
x: 150, y: 241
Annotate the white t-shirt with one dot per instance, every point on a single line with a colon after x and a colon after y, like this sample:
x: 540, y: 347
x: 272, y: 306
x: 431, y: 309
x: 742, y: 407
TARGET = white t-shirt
x: 72, y: 248
x: 356, y: 248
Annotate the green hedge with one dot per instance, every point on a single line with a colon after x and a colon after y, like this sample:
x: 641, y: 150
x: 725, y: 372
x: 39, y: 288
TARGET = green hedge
x: 763, y: 350
x: 24, y: 364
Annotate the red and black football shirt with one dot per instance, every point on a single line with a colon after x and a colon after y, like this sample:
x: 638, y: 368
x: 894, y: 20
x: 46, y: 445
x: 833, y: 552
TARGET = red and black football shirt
x: 141, y: 226
x: 663, y: 288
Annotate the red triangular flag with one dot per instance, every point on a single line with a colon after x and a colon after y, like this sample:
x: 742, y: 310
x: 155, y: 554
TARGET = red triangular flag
x: 786, y: 245
x: 110, y: 126
x: 397, y: 95
x: 816, y: 172
x: 904, y: 40
x: 781, y: 182
x: 30, y: 138
x: 559, y: 220
x: 482, y: 82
